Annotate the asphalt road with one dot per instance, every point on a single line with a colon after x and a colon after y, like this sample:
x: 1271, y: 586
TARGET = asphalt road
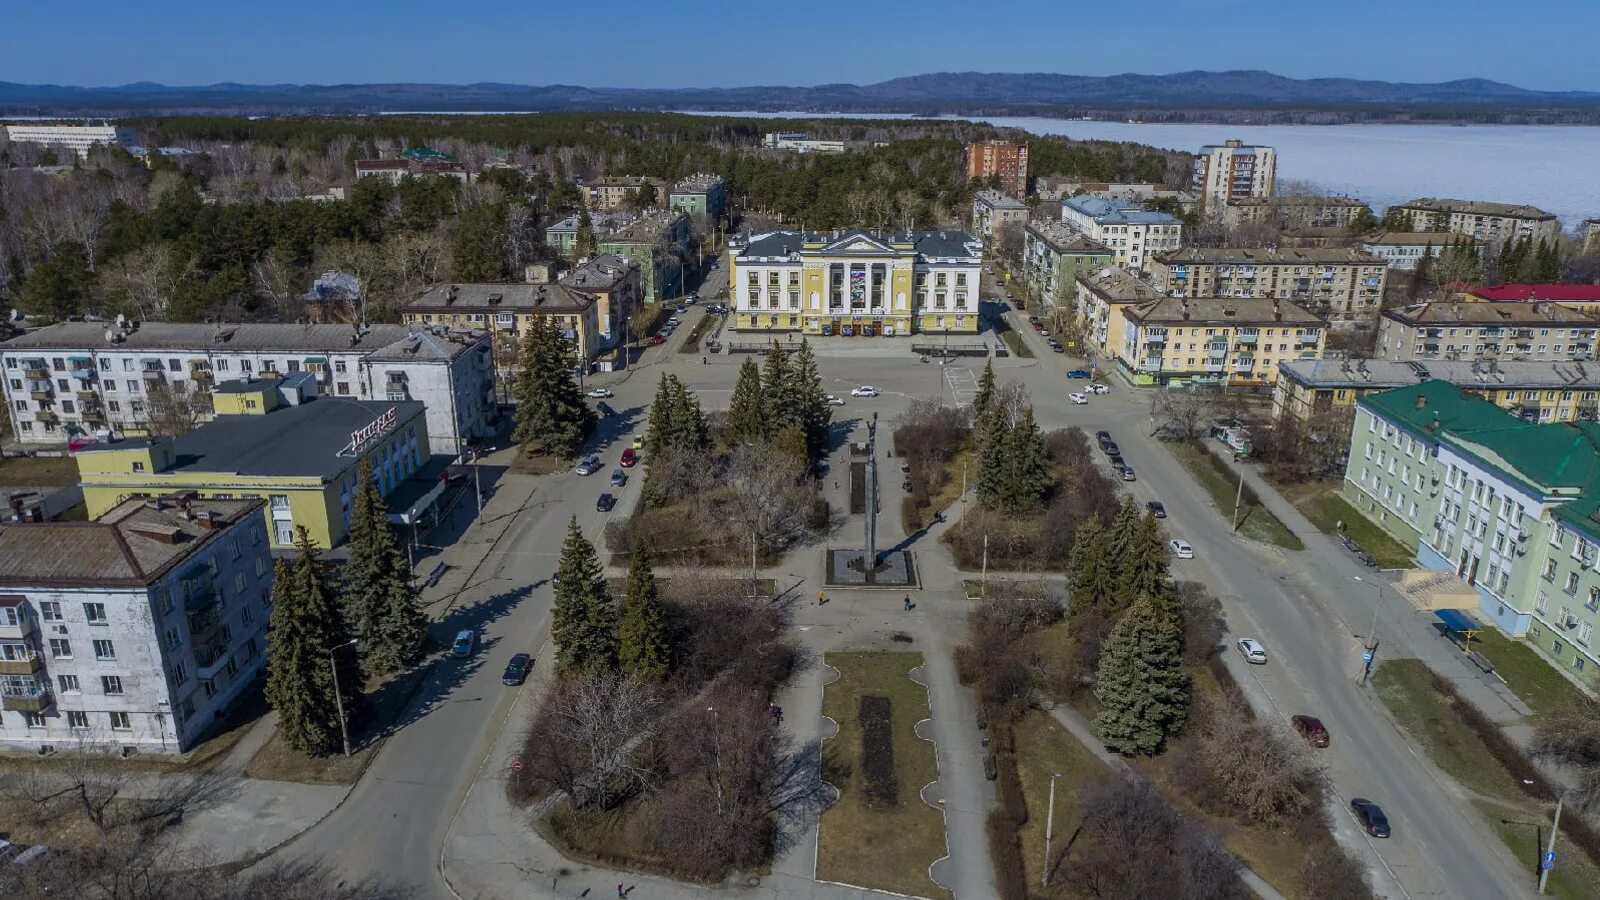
x: 1301, y: 606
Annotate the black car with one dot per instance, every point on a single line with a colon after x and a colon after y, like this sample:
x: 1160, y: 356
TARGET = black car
x: 1117, y: 462
x: 1371, y: 817
x: 1156, y: 509
x: 605, y: 503
x: 517, y: 669
x: 1104, y: 437
x: 1110, y: 448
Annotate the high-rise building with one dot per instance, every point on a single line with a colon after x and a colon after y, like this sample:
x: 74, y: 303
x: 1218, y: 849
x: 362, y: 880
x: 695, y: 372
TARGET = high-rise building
x: 1003, y: 158
x: 1234, y: 170
x: 77, y: 138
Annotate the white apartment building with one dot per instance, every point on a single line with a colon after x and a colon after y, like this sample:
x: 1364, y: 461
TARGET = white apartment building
x: 1133, y: 233
x: 77, y: 138
x: 1404, y: 249
x: 84, y: 379
x: 1234, y: 170
x: 138, y: 629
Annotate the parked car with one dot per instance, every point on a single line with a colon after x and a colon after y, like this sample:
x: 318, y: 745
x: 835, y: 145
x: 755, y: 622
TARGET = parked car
x: 657, y: 339
x: 866, y: 390
x: 589, y: 465
x: 833, y: 401
x: 692, y: 299
x: 517, y: 669
x: 1098, y: 388
x: 604, y: 503
x: 1181, y: 549
x: 1156, y: 509
x: 601, y: 392
x: 466, y: 640
x: 1116, y: 460
x: 1371, y: 817
x: 1078, y: 374
x: 630, y: 456
x: 1078, y: 398
x: 1312, y: 729
x: 672, y: 321
x: 618, y: 478
x: 1102, y: 437
x: 680, y: 310
x: 1110, y: 448
x: 1252, y: 651
x: 1055, y: 347
x: 1127, y: 474
x: 1367, y: 559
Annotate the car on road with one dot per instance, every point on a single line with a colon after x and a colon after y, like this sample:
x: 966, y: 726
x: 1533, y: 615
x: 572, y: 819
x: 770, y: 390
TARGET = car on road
x: 1253, y: 652
x: 589, y: 465
x: 618, y: 478
x: 517, y: 669
x: 1127, y: 474
x: 657, y: 339
x: 1077, y: 398
x: 630, y: 456
x: 681, y: 310
x: 672, y: 321
x: 604, y: 503
x: 1110, y: 448
x: 1055, y: 347
x: 1098, y: 388
x: 1078, y: 374
x: 833, y: 400
x: 466, y: 641
x: 866, y: 390
x: 1181, y: 549
x: 1102, y: 437
x: 601, y: 392
x: 1117, y: 462
x: 1310, y: 728
x: 1156, y: 509
x: 1371, y: 817
x: 692, y: 299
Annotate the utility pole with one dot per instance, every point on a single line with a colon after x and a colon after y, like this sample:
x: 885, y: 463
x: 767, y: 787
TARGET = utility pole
x: 1050, y: 827
x: 338, y: 697
x: 1372, y: 635
x: 1548, y: 861
x: 983, y: 580
x: 1238, y: 498
x: 477, y: 483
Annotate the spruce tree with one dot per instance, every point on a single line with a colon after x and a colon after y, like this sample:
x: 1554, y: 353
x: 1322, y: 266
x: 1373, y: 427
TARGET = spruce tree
x: 1141, y: 686
x: 1123, y: 529
x: 990, y: 482
x: 658, y: 425
x: 379, y: 603
x: 747, y: 412
x: 1027, y: 465
x: 583, y: 620
x: 551, y: 415
x: 305, y: 625
x: 1143, y: 571
x: 686, y: 423
x: 777, y: 388
x: 585, y: 244
x: 1091, y: 575
x: 1422, y: 272
x: 816, y: 416
x: 983, y: 401
x: 643, y: 642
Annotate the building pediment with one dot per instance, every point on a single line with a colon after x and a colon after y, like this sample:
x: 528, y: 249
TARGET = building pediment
x: 858, y: 243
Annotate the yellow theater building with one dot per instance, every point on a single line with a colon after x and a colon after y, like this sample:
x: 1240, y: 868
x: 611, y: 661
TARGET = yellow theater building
x: 278, y: 441
x: 856, y: 283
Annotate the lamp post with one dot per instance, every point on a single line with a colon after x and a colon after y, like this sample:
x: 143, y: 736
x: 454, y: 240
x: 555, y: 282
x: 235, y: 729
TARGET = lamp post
x: 1372, y: 635
x: 338, y: 698
x: 1547, y: 860
x: 1049, y: 827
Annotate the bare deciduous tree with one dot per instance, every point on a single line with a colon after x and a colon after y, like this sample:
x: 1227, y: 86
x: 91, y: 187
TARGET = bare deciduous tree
x: 173, y: 410
x: 768, y: 497
x: 1182, y: 414
x: 1265, y: 778
x: 1571, y: 737
x: 591, y: 740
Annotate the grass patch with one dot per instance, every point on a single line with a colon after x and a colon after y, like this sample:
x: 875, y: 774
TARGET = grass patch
x: 691, y: 344
x: 1043, y: 749
x: 915, y: 516
x: 38, y: 471
x: 276, y: 761
x: 1575, y: 877
x: 886, y: 849
x: 536, y: 464
x: 1406, y: 688
x: 1256, y: 522
x: 1326, y: 509
x: 1016, y: 344
x: 1526, y: 672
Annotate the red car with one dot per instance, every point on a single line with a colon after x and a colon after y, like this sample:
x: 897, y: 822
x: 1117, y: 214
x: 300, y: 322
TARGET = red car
x: 1312, y: 729
x: 657, y: 339
x: 629, y: 457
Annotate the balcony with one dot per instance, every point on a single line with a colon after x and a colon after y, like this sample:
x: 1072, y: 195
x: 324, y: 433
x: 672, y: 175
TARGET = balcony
x: 154, y: 375
x: 47, y: 415
x: 211, y: 656
x: 26, y: 698
x: 23, y: 628
x: 83, y: 369
x: 41, y: 395
x: 87, y: 397
x: 38, y: 372
x: 1247, y: 338
x: 25, y: 662
x: 1215, y: 364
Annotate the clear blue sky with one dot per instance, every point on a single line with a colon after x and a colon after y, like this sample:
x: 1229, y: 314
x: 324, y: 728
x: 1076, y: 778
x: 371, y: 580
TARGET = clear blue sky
x: 1546, y: 44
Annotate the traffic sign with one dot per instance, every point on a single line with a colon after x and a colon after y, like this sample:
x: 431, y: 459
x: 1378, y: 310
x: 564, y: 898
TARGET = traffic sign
x: 1366, y: 657
x: 1548, y: 862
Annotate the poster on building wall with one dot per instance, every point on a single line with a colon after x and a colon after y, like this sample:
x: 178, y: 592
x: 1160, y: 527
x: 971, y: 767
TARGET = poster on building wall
x: 858, y: 287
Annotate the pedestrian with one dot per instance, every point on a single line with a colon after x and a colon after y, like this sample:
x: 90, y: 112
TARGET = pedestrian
x: 777, y: 715
x: 620, y: 891
x: 908, y: 603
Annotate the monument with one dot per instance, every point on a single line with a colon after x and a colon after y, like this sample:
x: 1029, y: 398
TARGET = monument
x: 868, y: 567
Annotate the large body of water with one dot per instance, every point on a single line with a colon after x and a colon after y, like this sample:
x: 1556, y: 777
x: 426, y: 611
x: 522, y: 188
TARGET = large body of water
x: 1553, y: 167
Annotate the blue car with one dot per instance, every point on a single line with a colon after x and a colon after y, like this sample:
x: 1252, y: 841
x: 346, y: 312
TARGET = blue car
x: 466, y: 640
x: 1082, y: 374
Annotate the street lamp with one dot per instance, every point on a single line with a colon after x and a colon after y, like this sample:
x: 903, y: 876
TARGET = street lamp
x: 338, y: 698
x: 1049, y: 827
x: 1372, y: 635
x: 1547, y: 860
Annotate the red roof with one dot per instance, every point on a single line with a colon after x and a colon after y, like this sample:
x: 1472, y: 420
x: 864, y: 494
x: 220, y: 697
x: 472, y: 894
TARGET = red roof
x: 1569, y: 293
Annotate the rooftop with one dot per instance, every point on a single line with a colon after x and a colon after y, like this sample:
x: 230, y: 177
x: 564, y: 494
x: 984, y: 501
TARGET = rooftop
x: 237, y: 336
x: 1414, y: 238
x: 423, y: 344
x: 1116, y: 211
x: 938, y: 244
x: 1062, y: 239
x: 1477, y: 208
x: 601, y: 222
x: 600, y: 274
x: 1118, y: 285
x: 1522, y: 293
x: 998, y: 200
x: 1280, y: 256
x: 1380, y: 373
x: 495, y: 297
x: 1470, y: 313
x: 1221, y: 310
x: 1296, y: 201
x: 645, y: 229
x: 697, y: 183
x: 132, y: 545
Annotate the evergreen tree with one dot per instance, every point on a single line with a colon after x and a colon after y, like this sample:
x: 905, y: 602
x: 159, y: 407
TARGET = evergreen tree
x: 688, y: 431
x: 1547, y: 263
x: 1026, y: 464
x: 475, y: 245
x: 305, y: 625
x: 1092, y: 576
x: 1143, y: 571
x: 1422, y: 273
x: 584, y: 245
x: 747, y: 413
x: 790, y: 442
x: 778, y: 390
x: 816, y: 416
x: 379, y: 603
x: 990, y: 482
x: 583, y: 620
x: 983, y: 401
x: 1141, y: 686
x: 1123, y: 529
x: 643, y: 642
x: 551, y: 415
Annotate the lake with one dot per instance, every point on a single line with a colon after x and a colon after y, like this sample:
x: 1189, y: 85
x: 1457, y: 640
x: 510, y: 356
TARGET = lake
x: 1552, y: 167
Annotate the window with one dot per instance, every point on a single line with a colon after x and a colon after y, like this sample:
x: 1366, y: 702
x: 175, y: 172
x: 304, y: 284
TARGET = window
x: 78, y: 720
x: 60, y: 648
x: 120, y: 721
x: 95, y: 613
x: 179, y: 674
x: 111, y: 685
x: 1549, y: 573
x: 34, y: 720
x: 104, y: 650
x: 68, y: 684
x: 1571, y: 586
x: 239, y: 582
x: 283, y: 532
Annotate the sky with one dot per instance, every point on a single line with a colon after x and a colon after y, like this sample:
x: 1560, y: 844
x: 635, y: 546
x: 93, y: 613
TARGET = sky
x: 1541, y: 44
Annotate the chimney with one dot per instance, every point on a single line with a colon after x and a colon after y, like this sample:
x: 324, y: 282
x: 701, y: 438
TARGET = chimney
x: 1422, y: 400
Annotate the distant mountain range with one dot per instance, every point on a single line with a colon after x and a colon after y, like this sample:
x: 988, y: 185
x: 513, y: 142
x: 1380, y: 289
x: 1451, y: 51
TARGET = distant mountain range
x: 969, y: 93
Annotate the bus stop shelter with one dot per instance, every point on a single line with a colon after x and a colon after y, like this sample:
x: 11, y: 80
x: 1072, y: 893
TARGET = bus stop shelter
x: 1459, y: 627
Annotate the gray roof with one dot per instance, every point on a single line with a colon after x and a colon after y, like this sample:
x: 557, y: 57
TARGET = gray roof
x: 601, y: 273
x: 1477, y: 208
x: 1065, y: 240
x: 422, y: 344
x: 946, y: 244
x: 998, y: 200
x: 490, y: 297
x: 697, y: 184
x: 1440, y: 239
x: 1295, y: 201
x: 1118, y: 285
x: 1260, y: 256
x: 774, y: 243
x: 1221, y: 311
x: 241, y: 336
x: 1117, y: 211
x: 941, y: 244
x: 1474, y: 313
x: 134, y: 544
x: 1384, y: 374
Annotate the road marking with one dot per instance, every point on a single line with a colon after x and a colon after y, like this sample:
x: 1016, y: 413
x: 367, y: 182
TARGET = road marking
x: 963, y: 384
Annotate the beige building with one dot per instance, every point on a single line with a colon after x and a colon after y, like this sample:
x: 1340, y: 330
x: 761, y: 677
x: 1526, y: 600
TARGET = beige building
x: 1490, y: 223
x: 1233, y: 170
x: 617, y: 286
x: 609, y: 193
x: 993, y: 212
x: 1006, y: 160
x: 1101, y: 296
x: 509, y: 311
x: 1487, y: 331
x: 1345, y: 285
x: 1535, y: 391
x: 1215, y: 340
x: 1293, y: 212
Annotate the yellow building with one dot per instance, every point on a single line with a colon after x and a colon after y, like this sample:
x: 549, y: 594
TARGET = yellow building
x: 1234, y: 341
x: 856, y: 283
x: 1534, y: 391
x: 509, y: 310
x: 1100, y: 297
x: 277, y: 441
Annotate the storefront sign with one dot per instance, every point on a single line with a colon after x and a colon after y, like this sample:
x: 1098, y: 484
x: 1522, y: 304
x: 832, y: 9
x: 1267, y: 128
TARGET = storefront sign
x: 367, y: 432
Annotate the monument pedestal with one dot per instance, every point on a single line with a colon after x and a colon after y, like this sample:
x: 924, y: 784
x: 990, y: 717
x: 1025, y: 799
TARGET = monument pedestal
x: 895, y: 570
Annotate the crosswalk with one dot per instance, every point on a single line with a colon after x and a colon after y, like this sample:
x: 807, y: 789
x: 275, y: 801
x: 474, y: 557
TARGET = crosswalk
x: 963, y: 384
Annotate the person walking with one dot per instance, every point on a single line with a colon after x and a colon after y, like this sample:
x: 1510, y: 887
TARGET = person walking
x: 822, y: 597
x: 908, y: 603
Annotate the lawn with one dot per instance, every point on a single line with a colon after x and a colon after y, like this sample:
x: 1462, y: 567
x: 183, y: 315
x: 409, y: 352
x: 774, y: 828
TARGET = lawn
x: 1575, y: 876
x: 691, y: 344
x: 1045, y: 748
x: 1406, y: 688
x: 1326, y: 509
x: 1526, y: 672
x: 891, y: 847
x: 38, y: 471
x: 276, y: 761
x: 1256, y: 522
x: 914, y: 517
x: 1016, y: 344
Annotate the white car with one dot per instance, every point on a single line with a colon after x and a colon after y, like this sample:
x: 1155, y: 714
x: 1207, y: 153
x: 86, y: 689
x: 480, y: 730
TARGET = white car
x: 866, y: 390
x: 1252, y: 651
x: 833, y: 401
x: 1078, y: 398
x: 590, y: 465
x: 1098, y: 388
x: 601, y: 392
x: 673, y: 321
x: 1181, y: 549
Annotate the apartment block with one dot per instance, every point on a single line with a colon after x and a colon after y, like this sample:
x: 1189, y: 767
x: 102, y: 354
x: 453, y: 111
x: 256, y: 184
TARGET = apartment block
x: 77, y: 138
x: 1133, y: 233
x: 509, y: 311
x: 1489, y: 223
x: 1060, y: 187
x: 1100, y: 295
x: 1236, y: 342
x: 416, y: 164
x: 701, y: 197
x: 994, y: 212
x: 610, y: 192
x: 1293, y: 212
x: 617, y: 286
x: 1532, y: 391
x: 1404, y: 249
x: 1234, y: 170
x: 140, y: 629
x: 657, y: 242
x: 1344, y: 285
x: 1487, y: 331
x: 1053, y: 256
x: 74, y: 381
x: 1584, y: 298
x: 1506, y: 505
x: 1005, y: 159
